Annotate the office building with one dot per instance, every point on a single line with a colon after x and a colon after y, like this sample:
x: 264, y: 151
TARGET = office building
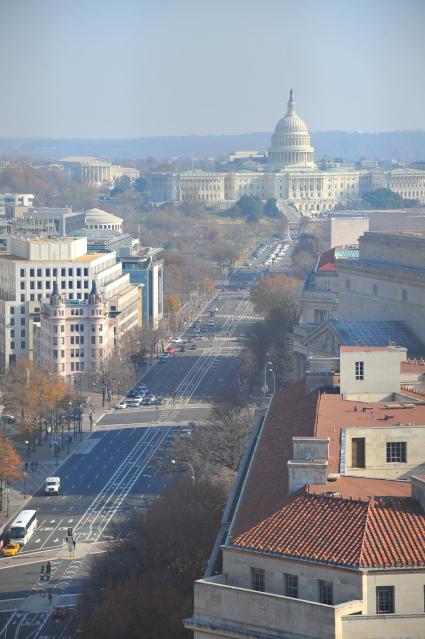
x: 73, y: 337
x: 146, y: 269
x: 323, y: 533
x: 27, y: 274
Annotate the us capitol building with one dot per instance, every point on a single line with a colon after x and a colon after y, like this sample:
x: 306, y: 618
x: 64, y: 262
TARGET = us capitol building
x: 290, y: 174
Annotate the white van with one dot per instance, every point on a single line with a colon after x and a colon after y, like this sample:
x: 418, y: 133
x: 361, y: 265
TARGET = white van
x: 52, y: 485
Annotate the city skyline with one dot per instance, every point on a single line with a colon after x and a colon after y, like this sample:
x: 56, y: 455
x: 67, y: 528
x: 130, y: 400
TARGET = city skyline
x: 135, y: 70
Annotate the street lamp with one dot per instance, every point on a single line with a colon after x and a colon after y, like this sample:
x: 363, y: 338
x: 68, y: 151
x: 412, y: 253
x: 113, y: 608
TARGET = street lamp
x: 268, y: 368
x: 173, y: 461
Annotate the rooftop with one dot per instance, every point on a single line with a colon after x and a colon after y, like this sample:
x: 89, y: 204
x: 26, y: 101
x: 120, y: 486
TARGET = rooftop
x: 378, y: 333
x: 294, y: 413
x: 357, y: 534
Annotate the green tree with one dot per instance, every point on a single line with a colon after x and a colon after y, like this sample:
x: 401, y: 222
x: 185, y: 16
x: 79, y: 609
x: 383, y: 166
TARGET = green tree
x: 271, y: 209
x: 250, y: 207
x: 386, y: 199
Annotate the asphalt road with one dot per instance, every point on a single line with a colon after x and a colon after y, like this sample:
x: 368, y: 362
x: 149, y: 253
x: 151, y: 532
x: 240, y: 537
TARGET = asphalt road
x: 116, y: 470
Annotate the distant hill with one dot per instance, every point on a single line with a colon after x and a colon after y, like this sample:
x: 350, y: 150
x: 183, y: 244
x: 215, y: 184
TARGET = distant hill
x: 350, y: 146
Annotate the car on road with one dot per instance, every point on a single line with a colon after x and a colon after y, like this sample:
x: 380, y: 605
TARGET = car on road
x: 131, y: 394
x: 10, y: 550
x: 120, y: 405
x: 193, y: 347
x: 149, y: 400
x: 182, y: 349
x: 177, y: 340
x: 59, y: 613
x: 159, y: 401
x: 210, y: 323
x: 135, y: 403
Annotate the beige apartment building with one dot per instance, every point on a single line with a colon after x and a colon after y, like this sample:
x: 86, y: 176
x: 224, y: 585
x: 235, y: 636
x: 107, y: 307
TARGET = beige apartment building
x: 323, y: 535
x: 73, y: 337
x: 28, y: 272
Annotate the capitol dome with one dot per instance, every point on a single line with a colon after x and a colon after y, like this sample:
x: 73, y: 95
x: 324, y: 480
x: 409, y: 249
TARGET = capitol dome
x: 290, y: 143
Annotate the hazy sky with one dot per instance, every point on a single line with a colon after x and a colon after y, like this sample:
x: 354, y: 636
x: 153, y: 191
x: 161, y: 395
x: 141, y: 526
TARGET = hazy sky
x: 132, y: 68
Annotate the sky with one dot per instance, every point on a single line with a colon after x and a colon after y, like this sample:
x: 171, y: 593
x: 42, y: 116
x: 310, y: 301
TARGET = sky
x: 137, y: 68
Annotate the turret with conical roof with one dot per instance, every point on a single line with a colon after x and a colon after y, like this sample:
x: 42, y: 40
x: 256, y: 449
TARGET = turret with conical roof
x: 56, y: 297
x: 94, y: 295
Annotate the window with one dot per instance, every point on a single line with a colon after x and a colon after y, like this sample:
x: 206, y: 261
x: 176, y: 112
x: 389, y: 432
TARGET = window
x: 22, y: 321
x: 39, y: 272
x: 326, y: 595
x: 32, y: 285
x: 31, y: 272
x: 22, y: 297
x: 258, y: 579
x: 22, y: 344
x: 291, y: 586
x: 358, y: 457
x: 359, y: 371
x: 396, y: 452
x: 23, y: 332
x: 63, y: 272
x: 93, y: 339
x: 384, y: 600
x: 22, y: 286
x: 22, y: 271
x: 404, y: 295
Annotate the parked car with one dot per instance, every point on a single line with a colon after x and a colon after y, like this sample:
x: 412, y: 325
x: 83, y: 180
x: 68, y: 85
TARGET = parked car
x: 131, y: 393
x: 177, y: 340
x: 182, y: 349
x: 135, y: 403
x: 122, y: 404
x: 159, y: 401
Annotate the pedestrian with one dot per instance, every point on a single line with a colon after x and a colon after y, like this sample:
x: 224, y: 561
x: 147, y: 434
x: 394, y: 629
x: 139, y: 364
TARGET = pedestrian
x: 48, y: 570
x: 32, y: 467
x: 50, y: 596
x: 36, y: 465
x: 42, y: 573
x: 74, y: 543
x: 26, y: 466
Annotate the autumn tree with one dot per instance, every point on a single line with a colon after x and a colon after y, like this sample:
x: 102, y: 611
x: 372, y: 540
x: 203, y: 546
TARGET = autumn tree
x: 154, y: 569
x: 32, y: 394
x: 9, y: 466
x: 221, y: 444
x: 273, y: 291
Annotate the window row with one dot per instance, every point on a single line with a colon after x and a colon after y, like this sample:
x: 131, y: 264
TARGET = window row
x: 325, y: 593
x: 53, y: 272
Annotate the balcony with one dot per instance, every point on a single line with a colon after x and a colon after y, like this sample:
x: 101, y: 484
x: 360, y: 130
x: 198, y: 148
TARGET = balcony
x: 238, y: 612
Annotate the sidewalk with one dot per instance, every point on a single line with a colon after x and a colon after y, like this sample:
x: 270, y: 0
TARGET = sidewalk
x: 41, y: 463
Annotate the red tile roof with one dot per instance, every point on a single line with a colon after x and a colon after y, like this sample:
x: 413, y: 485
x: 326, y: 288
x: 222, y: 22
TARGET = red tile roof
x: 334, y: 413
x: 363, y: 488
x: 292, y: 413
x: 343, y: 532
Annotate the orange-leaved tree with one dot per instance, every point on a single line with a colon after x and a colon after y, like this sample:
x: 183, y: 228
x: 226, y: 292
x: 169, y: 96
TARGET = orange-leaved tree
x: 9, y: 466
x: 32, y: 394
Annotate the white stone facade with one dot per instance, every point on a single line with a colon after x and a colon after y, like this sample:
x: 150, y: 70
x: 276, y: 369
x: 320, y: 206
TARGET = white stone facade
x: 96, y: 171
